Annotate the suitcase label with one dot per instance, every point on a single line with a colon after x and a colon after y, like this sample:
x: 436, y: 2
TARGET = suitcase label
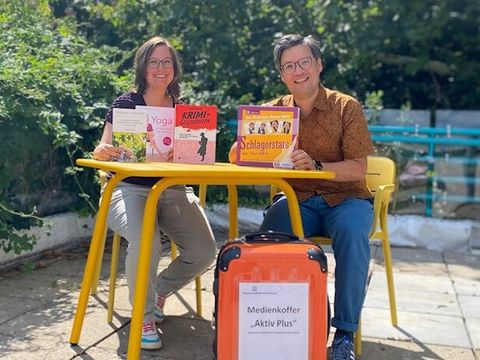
x: 273, y: 320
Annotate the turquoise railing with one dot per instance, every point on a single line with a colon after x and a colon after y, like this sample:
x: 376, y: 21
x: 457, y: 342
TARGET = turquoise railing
x: 432, y: 138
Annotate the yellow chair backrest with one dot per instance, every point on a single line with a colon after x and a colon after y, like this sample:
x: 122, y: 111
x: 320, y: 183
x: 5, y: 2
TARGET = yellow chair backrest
x: 381, y: 182
x: 380, y: 171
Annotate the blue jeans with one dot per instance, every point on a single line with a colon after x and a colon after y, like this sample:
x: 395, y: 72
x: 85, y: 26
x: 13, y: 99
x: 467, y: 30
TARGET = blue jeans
x: 348, y: 224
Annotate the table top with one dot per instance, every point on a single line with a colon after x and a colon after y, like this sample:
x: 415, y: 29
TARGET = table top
x: 225, y: 170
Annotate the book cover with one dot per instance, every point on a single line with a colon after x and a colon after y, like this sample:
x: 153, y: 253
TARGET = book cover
x: 266, y: 135
x: 129, y: 133
x: 160, y: 131
x: 195, y: 134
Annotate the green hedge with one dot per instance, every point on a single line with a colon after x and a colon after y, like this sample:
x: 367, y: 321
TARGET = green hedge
x: 55, y: 89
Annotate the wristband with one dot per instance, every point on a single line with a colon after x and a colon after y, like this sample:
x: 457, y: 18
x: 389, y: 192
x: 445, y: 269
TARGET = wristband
x: 318, y: 165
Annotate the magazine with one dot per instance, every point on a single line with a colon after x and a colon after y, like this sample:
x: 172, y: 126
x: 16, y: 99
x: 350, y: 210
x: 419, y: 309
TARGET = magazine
x: 267, y: 135
x: 129, y: 133
x: 160, y: 131
x: 195, y: 134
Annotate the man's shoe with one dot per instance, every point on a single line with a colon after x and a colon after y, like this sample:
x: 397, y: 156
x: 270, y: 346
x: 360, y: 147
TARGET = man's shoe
x: 150, y: 338
x: 158, y: 309
x: 342, y: 349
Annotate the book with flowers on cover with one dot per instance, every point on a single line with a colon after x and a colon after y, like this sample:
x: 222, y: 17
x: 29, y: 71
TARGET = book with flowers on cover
x: 129, y: 134
x: 267, y: 135
x: 160, y: 131
x: 195, y: 134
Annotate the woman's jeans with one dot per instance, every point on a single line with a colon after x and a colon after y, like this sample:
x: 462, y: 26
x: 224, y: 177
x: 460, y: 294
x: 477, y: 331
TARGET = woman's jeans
x: 348, y: 225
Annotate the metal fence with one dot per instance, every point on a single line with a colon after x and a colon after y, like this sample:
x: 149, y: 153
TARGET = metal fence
x: 437, y: 157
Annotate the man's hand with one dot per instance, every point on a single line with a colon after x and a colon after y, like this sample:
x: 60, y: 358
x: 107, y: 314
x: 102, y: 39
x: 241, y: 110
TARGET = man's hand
x: 302, y: 161
x: 232, y: 155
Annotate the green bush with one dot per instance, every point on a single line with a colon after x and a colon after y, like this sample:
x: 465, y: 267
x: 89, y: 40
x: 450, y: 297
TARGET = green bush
x: 55, y: 89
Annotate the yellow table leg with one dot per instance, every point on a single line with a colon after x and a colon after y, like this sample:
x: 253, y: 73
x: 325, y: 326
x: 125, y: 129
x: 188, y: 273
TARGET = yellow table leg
x: 98, y: 267
x: 198, y: 294
x: 293, y: 206
x: 92, y: 259
x: 113, y: 275
x: 173, y: 250
x: 198, y: 280
x: 144, y: 258
x: 358, y: 339
x: 233, y: 211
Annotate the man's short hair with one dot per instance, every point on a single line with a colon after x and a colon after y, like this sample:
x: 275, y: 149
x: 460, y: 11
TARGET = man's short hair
x: 289, y: 41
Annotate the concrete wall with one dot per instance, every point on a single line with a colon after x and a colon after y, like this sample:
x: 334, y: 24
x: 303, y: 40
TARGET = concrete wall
x: 62, y: 230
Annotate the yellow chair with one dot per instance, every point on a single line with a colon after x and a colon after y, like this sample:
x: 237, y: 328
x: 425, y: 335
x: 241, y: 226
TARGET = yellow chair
x: 115, y: 257
x: 381, y: 182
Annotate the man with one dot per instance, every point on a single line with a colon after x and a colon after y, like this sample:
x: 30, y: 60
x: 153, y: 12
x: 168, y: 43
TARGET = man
x: 333, y: 135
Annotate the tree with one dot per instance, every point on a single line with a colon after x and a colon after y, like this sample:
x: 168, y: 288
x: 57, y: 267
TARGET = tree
x: 54, y: 91
x: 424, y: 53
x: 420, y: 53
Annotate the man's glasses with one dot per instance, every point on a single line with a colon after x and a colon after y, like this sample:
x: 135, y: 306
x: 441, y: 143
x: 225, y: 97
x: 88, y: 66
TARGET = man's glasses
x: 291, y: 66
x: 155, y: 64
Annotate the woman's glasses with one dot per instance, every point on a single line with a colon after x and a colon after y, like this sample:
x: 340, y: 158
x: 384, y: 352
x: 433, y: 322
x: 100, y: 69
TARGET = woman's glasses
x: 155, y: 63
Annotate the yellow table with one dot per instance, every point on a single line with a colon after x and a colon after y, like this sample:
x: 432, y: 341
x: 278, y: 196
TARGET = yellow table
x: 174, y: 174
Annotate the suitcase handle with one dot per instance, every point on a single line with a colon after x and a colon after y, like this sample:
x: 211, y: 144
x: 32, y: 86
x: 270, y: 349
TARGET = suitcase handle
x: 280, y: 237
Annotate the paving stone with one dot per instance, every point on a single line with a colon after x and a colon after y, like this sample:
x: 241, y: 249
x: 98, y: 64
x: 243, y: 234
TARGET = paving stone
x: 22, y: 348
x: 470, y: 306
x: 381, y: 349
x: 426, y: 328
x: 415, y: 301
x: 473, y: 326
x: 419, y: 261
x: 183, y: 339
x: 463, y: 265
x: 466, y: 286
x: 13, y: 306
x: 414, y: 281
x: 38, y: 286
x: 48, y: 327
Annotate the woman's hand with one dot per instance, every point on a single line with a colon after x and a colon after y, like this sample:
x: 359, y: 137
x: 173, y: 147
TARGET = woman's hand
x: 166, y: 156
x: 105, y: 152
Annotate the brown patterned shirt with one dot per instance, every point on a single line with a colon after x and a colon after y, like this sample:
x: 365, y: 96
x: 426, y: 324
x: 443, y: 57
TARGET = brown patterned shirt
x: 335, y: 130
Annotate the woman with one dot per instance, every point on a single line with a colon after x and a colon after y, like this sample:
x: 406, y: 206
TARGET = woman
x: 153, y: 151
x: 179, y: 215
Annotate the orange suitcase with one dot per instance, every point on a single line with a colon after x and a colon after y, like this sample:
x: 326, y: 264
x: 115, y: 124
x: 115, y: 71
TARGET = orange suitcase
x: 271, y: 299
